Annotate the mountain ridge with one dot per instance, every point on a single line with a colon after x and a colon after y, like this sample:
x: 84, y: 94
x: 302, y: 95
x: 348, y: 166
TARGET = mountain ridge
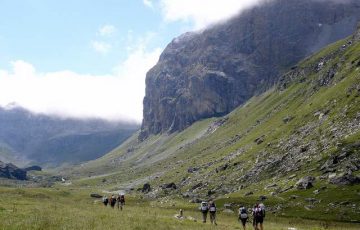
x: 206, y: 74
x: 28, y: 138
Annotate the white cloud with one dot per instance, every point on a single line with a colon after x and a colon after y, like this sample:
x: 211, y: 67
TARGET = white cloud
x: 107, y: 30
x: 203, y: 12
x: 148, y: 3
x: 101, y: 47
x: 66, y: 93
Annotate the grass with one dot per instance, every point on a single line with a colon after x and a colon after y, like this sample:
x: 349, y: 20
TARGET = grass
x: 61, y: 208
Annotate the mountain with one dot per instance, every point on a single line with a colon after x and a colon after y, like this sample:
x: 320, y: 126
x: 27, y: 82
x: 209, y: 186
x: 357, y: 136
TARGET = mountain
x: 34, y: 138
x: 295, y: 147
x: 209, y: 73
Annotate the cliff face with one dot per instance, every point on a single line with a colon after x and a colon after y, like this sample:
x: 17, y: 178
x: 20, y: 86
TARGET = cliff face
x: 210, y: 73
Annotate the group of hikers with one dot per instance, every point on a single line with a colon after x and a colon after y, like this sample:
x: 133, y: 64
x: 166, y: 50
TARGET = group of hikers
x: 120, y: 200
x: 258, y: 213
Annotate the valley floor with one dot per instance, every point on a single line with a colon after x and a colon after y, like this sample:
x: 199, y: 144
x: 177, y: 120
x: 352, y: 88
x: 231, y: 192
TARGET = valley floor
x: 72, y: 208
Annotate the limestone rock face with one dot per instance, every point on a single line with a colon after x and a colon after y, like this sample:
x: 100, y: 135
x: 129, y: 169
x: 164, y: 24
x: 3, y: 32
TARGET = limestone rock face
x: 209, y: 73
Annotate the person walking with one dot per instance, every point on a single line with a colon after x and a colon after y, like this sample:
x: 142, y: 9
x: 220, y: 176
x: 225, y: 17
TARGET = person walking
x: 243, y: 216
x: 105, y: 200
x: 204, y: 208
x: 121, y: 201
x: 112, y: 201
x: 212, y: 211
x: 258, y: 214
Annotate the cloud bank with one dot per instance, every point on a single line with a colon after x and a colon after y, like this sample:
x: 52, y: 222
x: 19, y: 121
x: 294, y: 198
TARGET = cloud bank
x: 65, y: 93
x: 203, y: 13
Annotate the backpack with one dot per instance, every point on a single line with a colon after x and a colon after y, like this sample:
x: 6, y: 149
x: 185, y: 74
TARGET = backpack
x: 243, y: 213
x: 258, y: 212
x: 212, y: 208
x: 204, y: 207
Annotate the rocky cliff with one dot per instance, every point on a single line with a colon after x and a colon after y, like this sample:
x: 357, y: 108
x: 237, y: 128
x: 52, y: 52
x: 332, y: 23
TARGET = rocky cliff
x: 210, y: 73
x: 10, y: 171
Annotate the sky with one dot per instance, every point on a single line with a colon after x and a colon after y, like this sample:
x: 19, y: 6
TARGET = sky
x: 88, y: 59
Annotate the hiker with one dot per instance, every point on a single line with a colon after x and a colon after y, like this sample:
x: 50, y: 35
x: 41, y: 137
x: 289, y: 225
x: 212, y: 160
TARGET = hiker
x: 204, y: 208
x: 105, y: 200
x: 258, y: 214
x: 112, y: 201
x: 212, y: 210
x: 243, y: 216
x: 121, y: 201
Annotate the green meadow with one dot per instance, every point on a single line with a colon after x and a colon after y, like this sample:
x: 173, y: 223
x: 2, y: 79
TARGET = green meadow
x: 71, y: 208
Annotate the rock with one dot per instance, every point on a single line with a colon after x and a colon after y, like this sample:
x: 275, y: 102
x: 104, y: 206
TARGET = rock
x: 193, y: 169
x: 146, y: 188
x: 191, y: 218
x: 10, y: 171
x: 345, y: 203
x: 248, y: 193
x: 33, y: 168
x: 287, y: 119
x: 260, y: 140
x: 347, y: 179
x: 305, y: 182
x: 199, y: 185
x: 310, y: 200
x: 271, y: 186
x: 223, y: 168
x: 317, y: 191
x: 95, y: 195
x: 170, y: 186
x: 195, y: 200
x: 262, y: 198
x: 228, y: 211
x: 292, y: 176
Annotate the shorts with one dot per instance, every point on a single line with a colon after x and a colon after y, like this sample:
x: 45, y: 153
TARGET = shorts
x: 258, y: 220
x: 243, y: 221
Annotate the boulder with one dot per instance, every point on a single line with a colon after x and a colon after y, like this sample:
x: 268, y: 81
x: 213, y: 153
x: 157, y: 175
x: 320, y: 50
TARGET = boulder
x: 95, y: 195
x: 262, y: 198
x: 146, y: 188
x: 346, y: 179
x: 305, y: 182
x: 170, y: 186
x: 259, y: 140
x: 248, y: 193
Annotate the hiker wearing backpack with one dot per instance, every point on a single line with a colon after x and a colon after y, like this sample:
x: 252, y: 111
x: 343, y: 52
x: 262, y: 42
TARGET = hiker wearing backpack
x: 121, y: 201
x: 112, y: 201
x: 212, y: 210
x: 258, y: 214
x: 243, y: 216
x: 204, y: 208
x: 105, y: 200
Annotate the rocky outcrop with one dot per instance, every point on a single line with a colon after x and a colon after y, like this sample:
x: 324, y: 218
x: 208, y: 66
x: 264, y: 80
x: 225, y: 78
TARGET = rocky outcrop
x: 10, y: 171
x: 33, y: 168
x: 210, y: 73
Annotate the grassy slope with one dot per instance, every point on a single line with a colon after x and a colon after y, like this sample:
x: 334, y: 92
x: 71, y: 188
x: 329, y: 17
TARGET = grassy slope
x: 166, y: 158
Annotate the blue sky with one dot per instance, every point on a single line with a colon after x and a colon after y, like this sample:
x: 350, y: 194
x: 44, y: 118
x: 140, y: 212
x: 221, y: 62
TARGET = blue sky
x: 82, y: 58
